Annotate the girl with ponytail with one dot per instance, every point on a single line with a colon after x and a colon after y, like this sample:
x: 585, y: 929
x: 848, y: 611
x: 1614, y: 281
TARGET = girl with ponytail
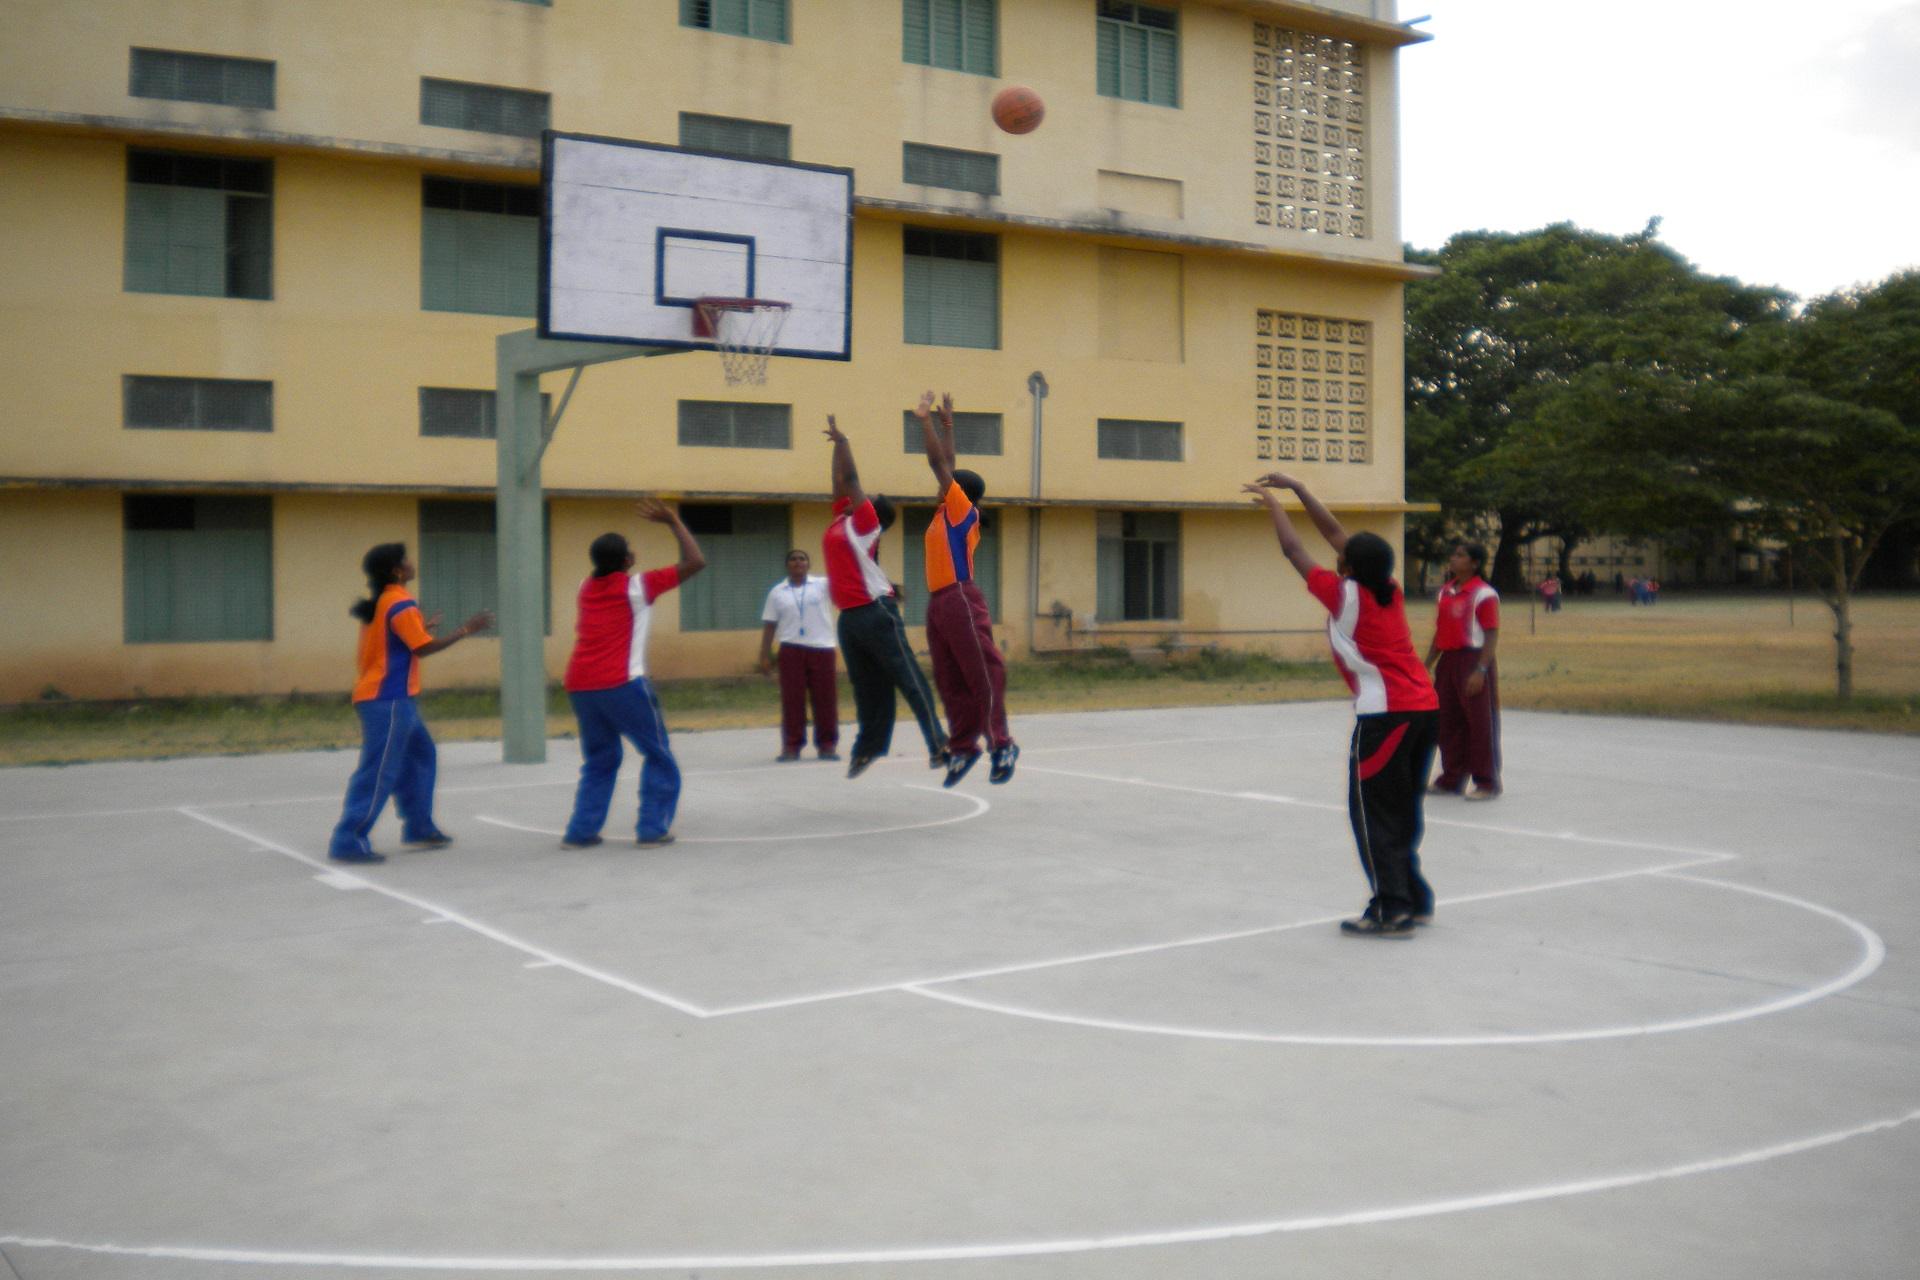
x: 397, y: 756
x: 1396, y: 713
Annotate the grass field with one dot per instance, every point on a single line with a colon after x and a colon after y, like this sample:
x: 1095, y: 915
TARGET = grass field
x: 1730, y: 658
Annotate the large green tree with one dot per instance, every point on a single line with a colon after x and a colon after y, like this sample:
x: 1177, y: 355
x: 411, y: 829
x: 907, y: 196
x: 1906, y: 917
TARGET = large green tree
x: 1530, y: 349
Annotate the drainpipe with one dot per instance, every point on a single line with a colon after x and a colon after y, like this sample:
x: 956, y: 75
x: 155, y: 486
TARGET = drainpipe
x: 1037, y: 390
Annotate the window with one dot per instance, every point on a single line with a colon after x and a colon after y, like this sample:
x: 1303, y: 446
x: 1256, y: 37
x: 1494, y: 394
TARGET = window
x: 1138, y: 566
x: 986, y: 563
x: 199, y: 225
x: 754, y: 139
x: 200, y: 77
x: 726, y: 424
x: 974, y: 433
x: 975, y: 171
x: 955, y: 34
x: 1139, y: 441
x: 756, y: 19
x: 746, y: 549
x: 483, y: 108
x: 459, y: 560
x: 197, y: 568
x: 479, y: 247
x: 952, y: 288
x: 195, y: 404
x: 454, y: 411
x: 1139, y: 53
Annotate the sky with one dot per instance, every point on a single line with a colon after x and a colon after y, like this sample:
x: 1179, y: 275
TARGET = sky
x: 1777, y: 142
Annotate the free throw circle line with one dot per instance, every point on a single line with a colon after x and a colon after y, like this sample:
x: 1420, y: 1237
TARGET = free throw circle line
x: 979, y: 807
x: 1009, y: 1249
x: 1874, y: 951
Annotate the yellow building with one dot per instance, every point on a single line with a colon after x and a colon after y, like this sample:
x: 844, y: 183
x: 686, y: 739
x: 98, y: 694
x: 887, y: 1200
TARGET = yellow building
x: 257, y: 256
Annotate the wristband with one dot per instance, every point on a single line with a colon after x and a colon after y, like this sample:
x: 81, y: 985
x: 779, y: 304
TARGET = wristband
x: 1481, y: 669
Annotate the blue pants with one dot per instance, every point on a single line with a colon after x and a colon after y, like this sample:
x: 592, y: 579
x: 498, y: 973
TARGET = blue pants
x: 396, y: 759
x: 606, y: 716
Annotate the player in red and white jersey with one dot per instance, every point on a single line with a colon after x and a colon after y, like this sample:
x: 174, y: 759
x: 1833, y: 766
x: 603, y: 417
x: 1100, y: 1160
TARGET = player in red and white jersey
x: 1466, y: 634
x: 873, y: 637
x: 1395, y: 717
x: 608, y: 687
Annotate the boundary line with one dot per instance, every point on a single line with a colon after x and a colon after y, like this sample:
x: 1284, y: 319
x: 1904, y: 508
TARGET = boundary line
x: 981, y: 806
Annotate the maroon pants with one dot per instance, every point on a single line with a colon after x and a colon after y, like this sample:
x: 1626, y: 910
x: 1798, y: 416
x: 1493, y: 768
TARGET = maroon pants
x: 807, y: 674
x: 1469, y: 726
x: 967, y: 668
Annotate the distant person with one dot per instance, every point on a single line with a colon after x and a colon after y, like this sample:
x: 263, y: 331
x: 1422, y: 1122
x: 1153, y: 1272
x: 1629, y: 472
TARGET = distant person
x: 967, y: 666
x: 608, y: 686
x: 397, y: 756
x: 1466, y: 633
x: 1651, y: 590
x: 1550, y: 593
x: 873, y: 636
x: 1395, y: 721
x: 796, y: 615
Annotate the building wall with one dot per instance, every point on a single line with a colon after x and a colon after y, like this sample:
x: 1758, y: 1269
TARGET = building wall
x: 1132, y: 270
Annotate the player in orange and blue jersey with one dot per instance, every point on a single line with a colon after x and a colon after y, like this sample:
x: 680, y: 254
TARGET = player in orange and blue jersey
x: 967, y: 666
x: 396, y: 752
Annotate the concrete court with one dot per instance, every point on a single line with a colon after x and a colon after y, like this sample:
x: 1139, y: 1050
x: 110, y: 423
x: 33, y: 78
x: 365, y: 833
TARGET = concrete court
x: 1097, y: 1023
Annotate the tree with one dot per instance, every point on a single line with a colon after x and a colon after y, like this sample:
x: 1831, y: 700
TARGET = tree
x: 1819, y: 444
x: 1532, y: 352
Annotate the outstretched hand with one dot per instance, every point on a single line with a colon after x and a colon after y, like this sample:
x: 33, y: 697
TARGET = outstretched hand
x: 478, y: 622
x: 925, y: 407
x: 655, y: 510
x: 946, y: 408
x: 1279, y: 480
x: 833, y: 431
x: 1261, y: 491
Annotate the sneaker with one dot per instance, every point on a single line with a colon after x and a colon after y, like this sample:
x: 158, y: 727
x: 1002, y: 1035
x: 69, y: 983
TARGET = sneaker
x: 438, y: 840
x: 357, y: 857
x: 664, y: 838
x: 957, y: 766
x: 1367, y: 926
x: 858, y: 765
x: 585, y: 842
x: 937, y: 760
x: 1003, y: 759
x: 786, y: 757
x: 1437, y: 789
x: 1422, y: 918
x: 1478, y: 792
x: 829, y: 755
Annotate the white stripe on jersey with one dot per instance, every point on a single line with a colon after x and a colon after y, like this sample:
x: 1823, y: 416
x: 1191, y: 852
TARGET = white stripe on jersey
x: 642, y: 616
x: 1476, y: 634
x: 1370, y: 687
x: 878, y: 586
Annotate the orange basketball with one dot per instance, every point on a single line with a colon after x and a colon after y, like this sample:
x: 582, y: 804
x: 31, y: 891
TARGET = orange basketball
x: 1018, y: 109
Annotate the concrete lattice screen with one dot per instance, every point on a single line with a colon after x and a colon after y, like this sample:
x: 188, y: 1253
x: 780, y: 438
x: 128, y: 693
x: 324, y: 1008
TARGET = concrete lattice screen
x: 1310, y: 133
x: 1310, y: 385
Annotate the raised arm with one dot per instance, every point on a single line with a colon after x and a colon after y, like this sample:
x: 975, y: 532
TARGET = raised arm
x: 939, y: 439
x: 846, y: 477
x: 1316, y: 510
x: 1290, y: 544
x: 691, y: 561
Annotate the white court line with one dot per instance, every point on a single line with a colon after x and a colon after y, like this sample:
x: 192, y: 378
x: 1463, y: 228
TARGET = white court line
x: 1148, y: 948
x: 1874, y: 951
x: 1008, y: 1249
x: 466, y: 922
x: 979, y: 807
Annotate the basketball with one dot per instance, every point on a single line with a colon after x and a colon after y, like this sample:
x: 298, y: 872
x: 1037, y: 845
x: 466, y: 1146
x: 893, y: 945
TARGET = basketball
x: 1018, y: 109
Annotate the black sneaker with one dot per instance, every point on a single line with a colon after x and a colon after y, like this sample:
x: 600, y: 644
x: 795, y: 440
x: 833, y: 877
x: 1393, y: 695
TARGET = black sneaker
x: 858, y: 765
x: 786, y: 757
x: 1423, y: 918
x: 586, y: 842
x: 664, y: 838
x: 829, y: 755
x: 357, y: 857
x: 1003, y: 759
x: 1368, y: 926
x: 438, y: 840
x: 938, y: 760
x: 957, y: 766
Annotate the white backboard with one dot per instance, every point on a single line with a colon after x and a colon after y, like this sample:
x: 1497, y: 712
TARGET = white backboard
x: 631, y: 233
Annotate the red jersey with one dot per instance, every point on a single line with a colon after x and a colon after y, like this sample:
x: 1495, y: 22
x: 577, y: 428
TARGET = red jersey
x: 1467, y: 612
x: 853, y: 575
x: 1372, y: 646
x: 610, y: 631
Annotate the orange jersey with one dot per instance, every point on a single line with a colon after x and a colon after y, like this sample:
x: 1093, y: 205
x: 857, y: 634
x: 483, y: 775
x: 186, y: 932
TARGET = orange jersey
x: 952, y: 535
x: 388, y: 668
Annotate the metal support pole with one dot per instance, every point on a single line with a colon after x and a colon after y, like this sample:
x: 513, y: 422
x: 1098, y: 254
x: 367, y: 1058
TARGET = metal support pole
x: 520, y: 525
x: 1037, y: 389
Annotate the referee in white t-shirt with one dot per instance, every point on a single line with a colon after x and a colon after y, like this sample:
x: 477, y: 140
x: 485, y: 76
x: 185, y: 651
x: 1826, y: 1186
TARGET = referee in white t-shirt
x: 796, y: 616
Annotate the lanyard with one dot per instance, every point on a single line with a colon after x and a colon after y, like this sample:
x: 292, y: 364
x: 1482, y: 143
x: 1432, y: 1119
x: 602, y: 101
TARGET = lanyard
x: 799, y: 595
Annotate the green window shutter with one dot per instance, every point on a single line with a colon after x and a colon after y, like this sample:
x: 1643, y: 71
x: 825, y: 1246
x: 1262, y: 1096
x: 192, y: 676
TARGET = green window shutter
x: 915, y: 24
x: 480, y: 262
x: 754, y: 139
x: 975, y: 171
x: 1163, y: 68
x: 1133, y: 64
x: 746, y: 550
x: 197, y: 569
x: 977, y: 35
x: 951, y: 289
x: 459, y: 560
x: 199, y: 77
x: 947, y: 43
x: 1138, y: 440
x: 1108, y: 59
x: 767, y: 20
x: 977, y: 434
x: 727, y: 424
x: 176, y: 240
x: 986, y: 566
x: 483, y: 108
x: 1137, y: 53
x: 1137, y: 566
x: 196, y: 404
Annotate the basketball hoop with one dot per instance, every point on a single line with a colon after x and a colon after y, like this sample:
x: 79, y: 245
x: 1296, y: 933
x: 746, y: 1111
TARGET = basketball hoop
x: 744, y: 331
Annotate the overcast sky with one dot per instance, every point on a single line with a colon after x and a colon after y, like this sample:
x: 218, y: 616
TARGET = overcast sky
x: 1779, y: 142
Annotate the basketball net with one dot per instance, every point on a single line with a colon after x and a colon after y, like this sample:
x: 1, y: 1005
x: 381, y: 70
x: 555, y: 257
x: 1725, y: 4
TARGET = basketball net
x: 744, y: 331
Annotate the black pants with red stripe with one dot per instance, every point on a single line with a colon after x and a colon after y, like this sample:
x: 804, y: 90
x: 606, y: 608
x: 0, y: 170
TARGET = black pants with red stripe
x: 1386, y: 788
